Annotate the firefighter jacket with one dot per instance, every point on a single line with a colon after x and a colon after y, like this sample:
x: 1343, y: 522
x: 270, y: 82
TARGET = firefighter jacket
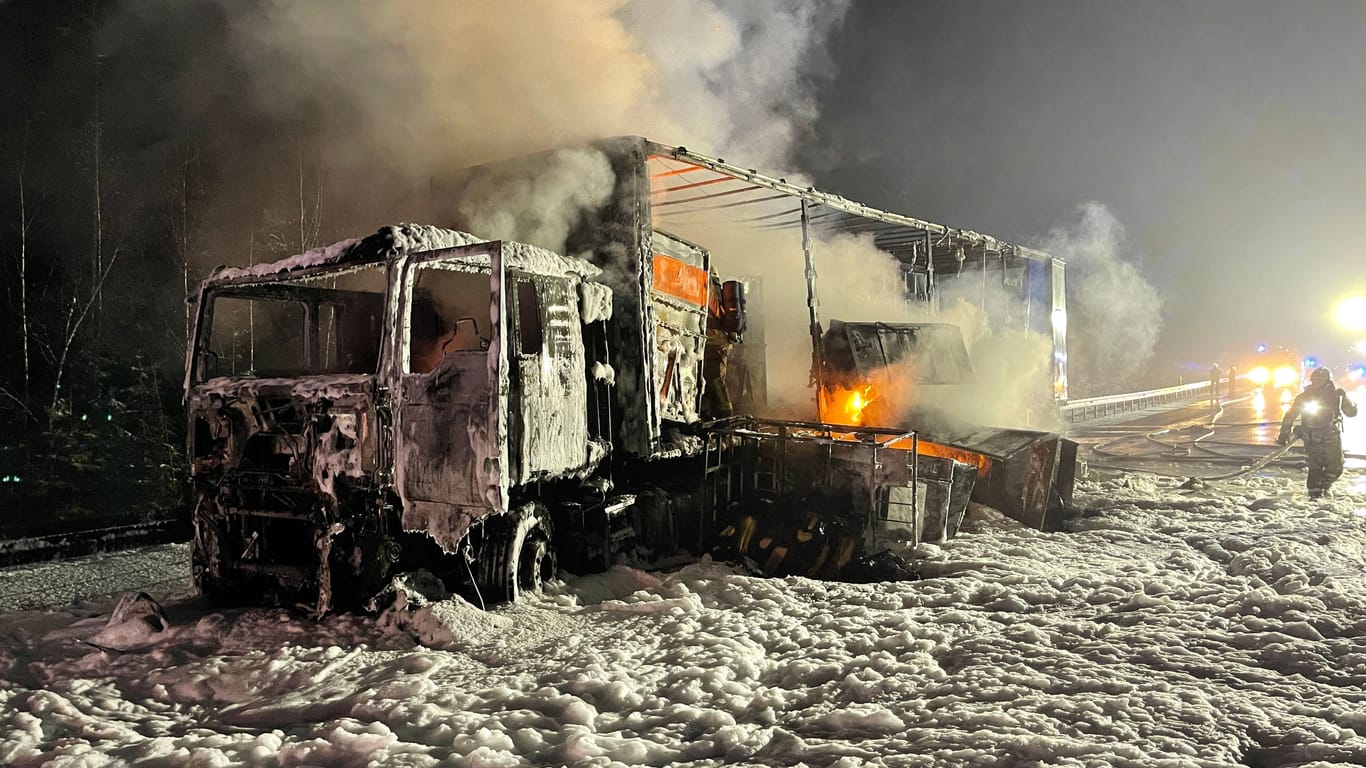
x: 1320, y: 409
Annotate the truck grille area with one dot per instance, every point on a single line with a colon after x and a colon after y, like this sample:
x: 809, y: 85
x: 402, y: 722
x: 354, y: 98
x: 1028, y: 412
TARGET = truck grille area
x: 283, y: 414
x: 274, y: 454
x: 267, y: 493
x: 269, y: 544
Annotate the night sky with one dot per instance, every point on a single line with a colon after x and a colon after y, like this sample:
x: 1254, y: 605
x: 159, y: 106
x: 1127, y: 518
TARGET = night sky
x: 1217, y: 143
x: 1226, y: 137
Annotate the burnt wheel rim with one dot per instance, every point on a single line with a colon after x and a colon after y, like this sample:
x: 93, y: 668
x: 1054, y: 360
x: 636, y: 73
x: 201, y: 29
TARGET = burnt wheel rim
x: 533, y: 564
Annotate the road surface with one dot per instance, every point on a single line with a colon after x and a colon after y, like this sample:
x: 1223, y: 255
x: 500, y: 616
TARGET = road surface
x: 1207, y: 439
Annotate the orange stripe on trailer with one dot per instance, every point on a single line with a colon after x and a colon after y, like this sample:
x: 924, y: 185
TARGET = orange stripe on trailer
x: 680, y: 280
x: 676, y: 171
x: 694, y: 185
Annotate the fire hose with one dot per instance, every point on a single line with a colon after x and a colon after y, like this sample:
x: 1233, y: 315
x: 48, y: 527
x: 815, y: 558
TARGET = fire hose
x: 1200, y: 444
x: 1195, y: 481
x: 1262, y: 462
x: 1198, y: 481
x: 1256, y: 465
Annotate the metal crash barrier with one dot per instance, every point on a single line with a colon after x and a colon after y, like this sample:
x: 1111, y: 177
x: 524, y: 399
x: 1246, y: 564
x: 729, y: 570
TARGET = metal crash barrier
x: 1109, y: 405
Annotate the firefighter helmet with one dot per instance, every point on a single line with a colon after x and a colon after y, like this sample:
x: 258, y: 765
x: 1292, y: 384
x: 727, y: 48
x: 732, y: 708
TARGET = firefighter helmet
x: 1321, y: 375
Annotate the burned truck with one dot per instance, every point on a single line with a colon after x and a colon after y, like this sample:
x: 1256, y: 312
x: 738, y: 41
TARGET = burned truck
x: 423, y: 398
x: 420, y: 398
x: 492, y: 410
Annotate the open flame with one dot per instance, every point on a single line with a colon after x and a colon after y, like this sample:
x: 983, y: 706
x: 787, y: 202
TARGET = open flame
x: 847, y: 406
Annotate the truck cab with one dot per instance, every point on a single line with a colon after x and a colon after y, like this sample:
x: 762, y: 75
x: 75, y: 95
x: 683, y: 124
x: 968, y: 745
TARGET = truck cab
x: 387, y: 396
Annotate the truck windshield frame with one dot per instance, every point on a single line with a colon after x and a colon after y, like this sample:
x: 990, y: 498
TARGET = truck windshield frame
x: 319, y: 325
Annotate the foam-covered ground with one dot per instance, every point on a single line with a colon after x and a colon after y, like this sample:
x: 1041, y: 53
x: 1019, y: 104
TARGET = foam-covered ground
x: 1222, y: 626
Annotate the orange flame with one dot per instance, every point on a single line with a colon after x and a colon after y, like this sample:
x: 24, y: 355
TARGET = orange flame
x: 963, y: 455
x: 847, y: 406
x: 840, y: 405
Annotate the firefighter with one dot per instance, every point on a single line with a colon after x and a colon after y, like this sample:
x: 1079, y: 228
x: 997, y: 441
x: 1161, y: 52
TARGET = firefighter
x: 1320, y: 408
x: 726, y: 321
x: 716, y: 402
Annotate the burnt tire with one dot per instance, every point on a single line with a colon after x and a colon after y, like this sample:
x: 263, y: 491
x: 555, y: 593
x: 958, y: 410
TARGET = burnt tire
x: 516, y: 555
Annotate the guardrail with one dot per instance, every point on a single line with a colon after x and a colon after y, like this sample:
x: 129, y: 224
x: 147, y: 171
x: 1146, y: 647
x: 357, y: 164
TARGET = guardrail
x: 1109, y: 405
x: 74, y: 543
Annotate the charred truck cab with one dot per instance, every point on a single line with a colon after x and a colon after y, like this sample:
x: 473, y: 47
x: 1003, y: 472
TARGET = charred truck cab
x: 423, y: 398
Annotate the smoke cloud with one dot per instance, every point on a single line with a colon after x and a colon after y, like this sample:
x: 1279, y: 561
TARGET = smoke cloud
x: 538, y: 206
x: 738, y: 76
x: 372, y: 100
x: 1108, y: 297
x: 427, y: 82
x: 856, y: 281
x: 345, y: 112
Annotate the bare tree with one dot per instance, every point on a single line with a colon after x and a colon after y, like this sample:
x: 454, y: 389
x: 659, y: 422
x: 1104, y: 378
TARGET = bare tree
x: 21, y: 285
x: 182, y: 222
x: 77, y: 312
x: 25, y: 327
x: 294, y: 227
x: 97, y: 137
x: 310, y: 215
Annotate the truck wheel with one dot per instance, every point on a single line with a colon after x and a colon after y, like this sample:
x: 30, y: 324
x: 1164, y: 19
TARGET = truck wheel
x: 517, y: 555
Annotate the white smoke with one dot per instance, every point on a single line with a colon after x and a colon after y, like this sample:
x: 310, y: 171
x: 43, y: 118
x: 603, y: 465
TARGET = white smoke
x: 741, y: 69
x: 539, y: 208
x: 856, y: 281
x: 1108, y: 297
x: 382, y: 98
x: 427, y: 85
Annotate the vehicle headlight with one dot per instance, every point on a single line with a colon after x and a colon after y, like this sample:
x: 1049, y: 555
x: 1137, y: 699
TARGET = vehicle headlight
x: 1259, y: 375
x: 1285, y: 376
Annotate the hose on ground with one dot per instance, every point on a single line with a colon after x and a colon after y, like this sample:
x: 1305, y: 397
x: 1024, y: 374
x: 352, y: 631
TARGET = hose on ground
x: 1253, y: 467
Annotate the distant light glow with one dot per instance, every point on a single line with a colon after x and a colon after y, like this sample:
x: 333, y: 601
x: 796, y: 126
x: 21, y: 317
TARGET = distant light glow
x: 1259, y: 375
x: 1261, y: 347
x: 1285, y: 376
x: 1352, y: 313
